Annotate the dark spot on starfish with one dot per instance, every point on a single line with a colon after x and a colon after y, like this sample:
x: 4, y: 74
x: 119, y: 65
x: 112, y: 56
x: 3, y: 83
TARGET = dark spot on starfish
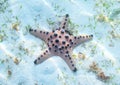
x: 60, y: 49
x: 67, y: 44
x: 46, y: 51
x: 56, y: 46
x: 55, y: 50
x: 47, y: 33
x: 67, y: 52
x: 55, y: 35
x: 65, y: 47
x: 64, y: 23
x: 63, y: 42
x: 83, y: 36
x: 65, y: 55
x: 91, y: 35
x: 52, y: 44
x: 41, y: 55
x: 48, y: 39
x: 75, y: 69
x: 44, y: 32
x: 75, y: 43
x: 57, y: 41
x: 38, y: 58
x: 71, y: 61
x: 49, y: 48
x: 53, y: 31
x: 65, y: 19
x: 80, y: 36
x: 50, y: 36
x: 40, y: 31
x: 59, y: 36
x: 70, y: 40
x: 67, y: 15
x: 51, y: 41
x: 66, y: 37
x: 72, y: 64
x: 35, y: 30
x: 35, y: 62
x: 74, y: 37
x: 63, y: 27
x: 62, y: 32
x: 30, y: 29
x: 86, y: 36
x: 70, y: 58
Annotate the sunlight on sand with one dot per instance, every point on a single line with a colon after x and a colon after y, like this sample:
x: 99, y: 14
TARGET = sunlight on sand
x: 55, y: 64
x: 82, y: 8
x: 107, y: 54
x: 49, y: 6
x: 4, y: 49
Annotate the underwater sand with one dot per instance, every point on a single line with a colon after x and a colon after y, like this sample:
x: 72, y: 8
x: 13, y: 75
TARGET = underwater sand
x: 19, y: 49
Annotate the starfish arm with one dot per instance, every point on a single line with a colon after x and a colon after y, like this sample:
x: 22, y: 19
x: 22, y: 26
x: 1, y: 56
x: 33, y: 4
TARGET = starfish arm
x: 70, y: 62
x: 81, y: 39
x: 40, y: 34
x: 43, y: 57
x: 64, y: 22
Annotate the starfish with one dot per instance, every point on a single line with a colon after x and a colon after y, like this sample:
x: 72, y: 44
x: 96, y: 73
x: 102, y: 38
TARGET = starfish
x: 60, y: 43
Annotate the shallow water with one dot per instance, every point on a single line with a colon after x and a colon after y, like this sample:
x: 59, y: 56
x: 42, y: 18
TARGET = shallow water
x: 18, y: 48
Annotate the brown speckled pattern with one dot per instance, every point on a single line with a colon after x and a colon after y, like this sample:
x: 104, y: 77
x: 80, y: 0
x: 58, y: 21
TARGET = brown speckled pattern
x: 60, y: 43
